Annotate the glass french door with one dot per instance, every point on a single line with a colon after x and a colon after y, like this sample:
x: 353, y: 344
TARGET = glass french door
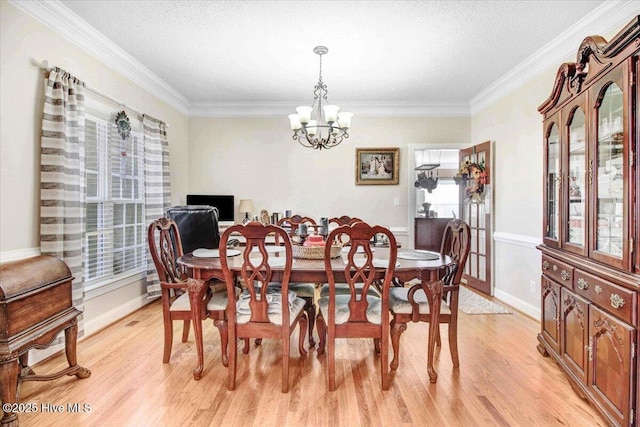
x: 477, y: 214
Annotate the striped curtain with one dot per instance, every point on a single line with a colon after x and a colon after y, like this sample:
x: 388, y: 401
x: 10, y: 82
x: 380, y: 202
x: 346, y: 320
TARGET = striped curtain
x: 62, y: 179
x: 157, y: 194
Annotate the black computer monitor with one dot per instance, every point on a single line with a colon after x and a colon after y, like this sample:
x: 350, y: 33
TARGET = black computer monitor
x: 225, y: 204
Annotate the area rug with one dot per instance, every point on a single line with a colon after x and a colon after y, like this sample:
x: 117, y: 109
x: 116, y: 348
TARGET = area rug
x: 470, y: 302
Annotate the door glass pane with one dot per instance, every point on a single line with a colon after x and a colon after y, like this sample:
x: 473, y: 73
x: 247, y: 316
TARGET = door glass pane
x: 609, y: 173
x: 482, y: 268
x: 553, y: 183
x: 576, y: 187
x: 482, y: 244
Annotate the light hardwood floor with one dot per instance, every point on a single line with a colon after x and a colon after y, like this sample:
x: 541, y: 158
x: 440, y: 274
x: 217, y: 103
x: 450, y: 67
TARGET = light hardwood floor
x: 502, y: 381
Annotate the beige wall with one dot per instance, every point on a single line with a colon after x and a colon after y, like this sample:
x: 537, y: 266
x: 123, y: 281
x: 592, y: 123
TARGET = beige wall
x: 256, y: 158
x: 515, y: 126
x: 23, y: 39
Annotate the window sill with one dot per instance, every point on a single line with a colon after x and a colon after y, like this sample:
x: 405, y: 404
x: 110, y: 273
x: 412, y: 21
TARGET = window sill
x: 97, y: 289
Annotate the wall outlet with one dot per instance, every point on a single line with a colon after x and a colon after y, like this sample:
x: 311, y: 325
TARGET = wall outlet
x: 532, y: 286
x: 396, y: 201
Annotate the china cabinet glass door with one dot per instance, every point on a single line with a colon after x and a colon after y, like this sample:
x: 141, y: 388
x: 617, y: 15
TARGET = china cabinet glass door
x: 575, y: 236
x: 609, y: 175
x: 552, y: 231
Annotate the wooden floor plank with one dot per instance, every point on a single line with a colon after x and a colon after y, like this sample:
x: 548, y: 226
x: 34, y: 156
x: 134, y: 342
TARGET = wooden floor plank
x: 502, y: 381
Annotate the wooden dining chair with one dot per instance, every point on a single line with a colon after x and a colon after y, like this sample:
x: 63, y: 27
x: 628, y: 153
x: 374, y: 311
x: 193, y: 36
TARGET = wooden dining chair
x: 165, y: 247
x: 262, y: 311
x: 306, y: 291
x: 344, y: 220
x: 410, y: 304
x: 358, y: 314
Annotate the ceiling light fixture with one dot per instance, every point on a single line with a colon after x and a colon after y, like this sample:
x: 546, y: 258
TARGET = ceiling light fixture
x: 316, y: 133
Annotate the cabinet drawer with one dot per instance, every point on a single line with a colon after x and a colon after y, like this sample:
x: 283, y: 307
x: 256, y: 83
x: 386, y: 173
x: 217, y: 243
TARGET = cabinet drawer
x: 615, y: 299
x: 559, y: 271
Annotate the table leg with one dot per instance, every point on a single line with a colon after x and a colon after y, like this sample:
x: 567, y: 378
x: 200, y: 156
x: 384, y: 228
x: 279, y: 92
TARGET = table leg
x: 433, y: 291
x: 196, y: 288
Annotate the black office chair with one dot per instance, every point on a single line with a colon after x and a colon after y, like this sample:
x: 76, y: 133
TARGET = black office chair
x: 198, y: 226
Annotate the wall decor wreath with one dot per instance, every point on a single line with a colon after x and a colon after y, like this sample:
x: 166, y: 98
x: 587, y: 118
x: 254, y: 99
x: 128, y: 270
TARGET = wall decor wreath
x: 474, y: 177
x: 123, y: 124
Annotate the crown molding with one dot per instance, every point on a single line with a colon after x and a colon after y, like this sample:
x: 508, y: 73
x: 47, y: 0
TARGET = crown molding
x: 62, y: 20
x: 606, y: 18
x: 363, y: 109
x: 609, y: 16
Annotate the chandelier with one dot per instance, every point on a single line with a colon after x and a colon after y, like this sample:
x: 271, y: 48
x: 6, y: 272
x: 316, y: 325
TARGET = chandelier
x: 317, y: 133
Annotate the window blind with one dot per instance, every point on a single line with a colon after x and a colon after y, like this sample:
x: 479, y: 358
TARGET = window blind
x: 115, y: 240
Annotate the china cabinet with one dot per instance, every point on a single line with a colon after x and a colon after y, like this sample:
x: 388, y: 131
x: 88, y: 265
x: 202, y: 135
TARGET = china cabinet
x: 590, y: 251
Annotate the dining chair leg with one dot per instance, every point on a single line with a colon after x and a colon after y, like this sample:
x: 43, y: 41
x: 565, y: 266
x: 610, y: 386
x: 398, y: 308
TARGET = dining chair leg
x: 224, y: 340
x: 322, y: 333
x: 233, y: 356
x: 453, y: 343
x: 438, y: 340
x: 384, y: 361
x: 185, y: 330
x: 245, y: 349
x: 302, y: 331
x: 331, y: 361
x: 310, y: 308
x: 396, y: 330
x: 168, y: 339
x: 286, y: 342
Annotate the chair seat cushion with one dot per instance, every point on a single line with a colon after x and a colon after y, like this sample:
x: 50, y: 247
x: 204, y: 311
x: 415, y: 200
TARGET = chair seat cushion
x: 343, y: 289
x: 303, y: 290
x: 274, y: 312
x: 181, y: 303
x: 217, y: 302
x: 342, y: 308
x: 399, y: 302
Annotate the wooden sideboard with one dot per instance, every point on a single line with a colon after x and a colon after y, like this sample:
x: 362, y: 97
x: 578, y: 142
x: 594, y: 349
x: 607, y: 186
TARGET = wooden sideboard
x: 591, y: 250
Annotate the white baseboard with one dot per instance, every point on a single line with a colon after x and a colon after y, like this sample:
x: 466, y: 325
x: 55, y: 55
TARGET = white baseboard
x: 94, y: 325
x: 523, y: 306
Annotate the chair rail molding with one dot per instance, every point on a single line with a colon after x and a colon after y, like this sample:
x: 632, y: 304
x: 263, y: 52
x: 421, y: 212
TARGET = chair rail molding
x: 16, y: 255
x: 517, y: 239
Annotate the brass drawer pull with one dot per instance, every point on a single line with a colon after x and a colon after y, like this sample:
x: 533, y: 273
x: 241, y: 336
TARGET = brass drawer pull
x: 616, y: 301
x: 555, y: 267
x: 598, y: 289
x: 565, y: 275
x: 582, y: 284
x: 545, y: 265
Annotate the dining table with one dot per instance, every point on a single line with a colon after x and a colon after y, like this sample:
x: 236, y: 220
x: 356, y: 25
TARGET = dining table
x: 425, y: 266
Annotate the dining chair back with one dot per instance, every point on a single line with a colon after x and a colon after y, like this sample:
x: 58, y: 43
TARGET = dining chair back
x: 305, y: 291
x: 410, y: 304
x: 198, y: 226
x: 165, y: 247
x: 262, y: 311
x: 344, y: 220
x: 358, y: 313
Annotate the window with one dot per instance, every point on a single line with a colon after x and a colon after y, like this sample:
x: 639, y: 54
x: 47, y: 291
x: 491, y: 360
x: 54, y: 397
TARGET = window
x: 115, y: 240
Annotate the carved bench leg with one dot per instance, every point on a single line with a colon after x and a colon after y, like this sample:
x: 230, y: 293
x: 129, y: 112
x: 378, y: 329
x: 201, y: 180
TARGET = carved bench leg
x: 70, y: 341
x: 9, y: 371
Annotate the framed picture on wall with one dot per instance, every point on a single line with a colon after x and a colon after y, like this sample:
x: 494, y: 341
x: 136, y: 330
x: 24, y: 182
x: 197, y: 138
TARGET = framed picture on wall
x: 377, y: 166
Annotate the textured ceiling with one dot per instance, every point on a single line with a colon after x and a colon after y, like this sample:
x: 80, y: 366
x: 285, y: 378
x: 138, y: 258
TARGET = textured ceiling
x: 379, y: 51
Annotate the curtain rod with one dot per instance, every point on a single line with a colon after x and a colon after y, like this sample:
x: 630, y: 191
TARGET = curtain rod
x: 44, y: 65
